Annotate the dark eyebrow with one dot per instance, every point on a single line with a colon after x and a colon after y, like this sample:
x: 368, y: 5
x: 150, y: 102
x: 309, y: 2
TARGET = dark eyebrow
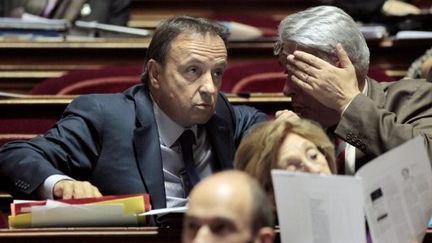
x: 195, y: 60
x: 211, y: 220
x: 222, y: 219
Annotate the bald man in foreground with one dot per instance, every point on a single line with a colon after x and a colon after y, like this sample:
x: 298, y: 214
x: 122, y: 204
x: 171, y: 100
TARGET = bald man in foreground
x: 229, y: 206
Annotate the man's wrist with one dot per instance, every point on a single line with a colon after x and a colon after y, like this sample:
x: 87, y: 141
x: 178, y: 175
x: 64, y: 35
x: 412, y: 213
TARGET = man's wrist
x: 345, y: 106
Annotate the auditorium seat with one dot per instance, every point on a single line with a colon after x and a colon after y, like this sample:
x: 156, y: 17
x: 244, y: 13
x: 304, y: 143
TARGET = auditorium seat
x: 243, y: 77
x: 261, y: 82
x: 104, y: 80
x: 379, y: 75
x: 23, y: 128
x: 268, y: 75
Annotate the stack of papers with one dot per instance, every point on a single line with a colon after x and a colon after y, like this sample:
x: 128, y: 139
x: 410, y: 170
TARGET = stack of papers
x: 119, y: 210
x: 393, y: 191
x: 413, y: 34
x: 371, y: 32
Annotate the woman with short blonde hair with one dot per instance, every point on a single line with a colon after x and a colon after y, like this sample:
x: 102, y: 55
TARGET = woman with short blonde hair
x: 296, y: 145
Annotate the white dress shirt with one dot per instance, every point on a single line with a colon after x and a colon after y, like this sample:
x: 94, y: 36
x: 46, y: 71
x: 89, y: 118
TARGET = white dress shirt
x: 172, y: 158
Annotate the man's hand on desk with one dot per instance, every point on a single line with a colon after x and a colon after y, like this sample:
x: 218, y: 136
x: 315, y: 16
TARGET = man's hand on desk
x: 67, y: 189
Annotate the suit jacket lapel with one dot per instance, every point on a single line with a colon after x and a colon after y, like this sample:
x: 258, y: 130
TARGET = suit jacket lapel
x: 147, y: 149
x: 222, y: 143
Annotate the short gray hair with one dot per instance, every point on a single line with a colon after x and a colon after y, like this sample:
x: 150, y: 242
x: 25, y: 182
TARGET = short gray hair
x: 321, y: 28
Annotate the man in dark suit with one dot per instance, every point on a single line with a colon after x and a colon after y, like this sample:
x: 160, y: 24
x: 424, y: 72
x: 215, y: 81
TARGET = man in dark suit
x: 129, y: 142
x: 327, y: 61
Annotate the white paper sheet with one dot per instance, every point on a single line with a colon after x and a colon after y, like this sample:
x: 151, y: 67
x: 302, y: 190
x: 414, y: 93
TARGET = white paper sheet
x: 162, y: 211
x: 319, y: 209
x: 398, y: 193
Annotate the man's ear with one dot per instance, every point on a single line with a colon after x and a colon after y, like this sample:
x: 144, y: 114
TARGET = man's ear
x: 154, y: 70
x: 266, y: 235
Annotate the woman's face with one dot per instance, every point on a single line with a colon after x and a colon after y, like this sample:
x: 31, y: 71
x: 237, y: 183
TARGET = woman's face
x: 300, y: 154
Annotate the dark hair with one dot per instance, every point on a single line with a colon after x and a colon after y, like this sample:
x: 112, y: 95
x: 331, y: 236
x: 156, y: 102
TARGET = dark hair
x: 262, y: 210
x: 169, y: 29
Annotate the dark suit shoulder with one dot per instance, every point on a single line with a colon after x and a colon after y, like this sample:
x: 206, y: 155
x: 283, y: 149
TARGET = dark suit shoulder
x: 111, y: 101
x: 95, y: 102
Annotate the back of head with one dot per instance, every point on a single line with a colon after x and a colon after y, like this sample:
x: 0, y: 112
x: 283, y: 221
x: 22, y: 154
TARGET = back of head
x: 321, y: 28
x: 169, y: 29
x: 237, y: 191
x: 258, y: 152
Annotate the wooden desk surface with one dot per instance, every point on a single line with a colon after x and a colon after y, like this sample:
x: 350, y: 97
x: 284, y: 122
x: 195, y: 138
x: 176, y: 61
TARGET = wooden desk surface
x: 94, y: 235
x: 105, y: 235
x: 53, y: 106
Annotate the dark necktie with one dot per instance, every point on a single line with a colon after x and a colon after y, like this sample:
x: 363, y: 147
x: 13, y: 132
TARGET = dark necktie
x: 192, y: 177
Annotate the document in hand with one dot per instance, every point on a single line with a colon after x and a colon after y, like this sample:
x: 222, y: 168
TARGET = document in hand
x: 393, y: 190
x: 116, y: 210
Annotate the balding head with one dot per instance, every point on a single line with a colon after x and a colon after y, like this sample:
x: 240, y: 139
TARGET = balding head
x: 228, y: 207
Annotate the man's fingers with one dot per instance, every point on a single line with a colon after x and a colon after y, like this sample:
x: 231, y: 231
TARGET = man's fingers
x: 96, y: 192
x: 343, y: 56
x: 301, y: 75
x: 301, y: 65
x: 63, y: 189
x: 302, y: 84
x: 68, y: 189
x: 286, y: 115
x: 309, y: 59
x: 88, y: 190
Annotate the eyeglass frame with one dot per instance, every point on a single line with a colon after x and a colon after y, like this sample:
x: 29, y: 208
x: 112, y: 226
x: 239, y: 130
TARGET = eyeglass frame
x: 278, y: 48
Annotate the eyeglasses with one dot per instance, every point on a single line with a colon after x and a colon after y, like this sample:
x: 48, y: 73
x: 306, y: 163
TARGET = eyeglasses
x: 277, y: 48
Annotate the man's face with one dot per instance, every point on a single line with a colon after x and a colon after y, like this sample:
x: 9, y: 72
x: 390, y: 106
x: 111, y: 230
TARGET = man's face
x: 212, y: 218
x: 304, y: 104
x: 186, y: 88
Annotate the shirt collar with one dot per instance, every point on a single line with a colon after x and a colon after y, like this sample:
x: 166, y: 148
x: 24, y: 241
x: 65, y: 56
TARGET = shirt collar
x: 169, y: 130
x: 365, y: 88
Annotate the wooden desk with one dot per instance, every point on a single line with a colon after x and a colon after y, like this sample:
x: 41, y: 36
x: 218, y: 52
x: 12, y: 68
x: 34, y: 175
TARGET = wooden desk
x: 94, y: 235
x: 51, y: 107
x: 105, y: 235
x: 25, y: 63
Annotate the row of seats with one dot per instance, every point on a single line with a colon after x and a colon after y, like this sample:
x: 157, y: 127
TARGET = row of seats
x: 263, y: 76
x: 252, y: 76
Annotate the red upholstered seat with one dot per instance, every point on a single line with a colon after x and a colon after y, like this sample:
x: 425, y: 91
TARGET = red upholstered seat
x: 268, y: 75
x: 100, y: 85
x: 243, y: 75
x: 261, y: 82
x: 379, y: 75
x: 23, y: 128
x: 104, y: 80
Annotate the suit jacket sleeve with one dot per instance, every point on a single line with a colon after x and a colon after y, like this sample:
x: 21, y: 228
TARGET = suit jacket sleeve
x: 375, y: 127
x: 246, y: 118
x: 70, y: 147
